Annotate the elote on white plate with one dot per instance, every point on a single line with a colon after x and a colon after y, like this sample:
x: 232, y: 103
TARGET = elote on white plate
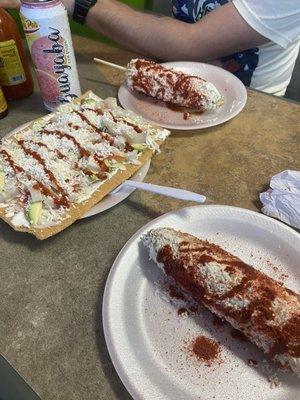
x: 266, y: 312
x: 172, y: 86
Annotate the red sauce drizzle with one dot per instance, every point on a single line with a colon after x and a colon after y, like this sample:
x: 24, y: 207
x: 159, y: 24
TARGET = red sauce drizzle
x: 134, y: 126
x: 103, y: 167
x: 98, y: 111
x: 76, y: 127
x: 128, y: 147
x: 64, y: 198
x: 104, y: 135
x: 11, y: 162
x: 58, y: 201
x: 82, y: 151
x: 56, y: 151
x: 100, y: 175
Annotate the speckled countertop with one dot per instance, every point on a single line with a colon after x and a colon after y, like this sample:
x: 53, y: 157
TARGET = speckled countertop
x: 51, y: 291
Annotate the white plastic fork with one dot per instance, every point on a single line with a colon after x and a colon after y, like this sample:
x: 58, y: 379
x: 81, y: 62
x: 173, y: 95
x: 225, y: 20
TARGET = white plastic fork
x: 163, y: 190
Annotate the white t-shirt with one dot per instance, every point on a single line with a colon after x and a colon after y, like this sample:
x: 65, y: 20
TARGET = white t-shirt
x: 278, y: 21
x: 268, y: 67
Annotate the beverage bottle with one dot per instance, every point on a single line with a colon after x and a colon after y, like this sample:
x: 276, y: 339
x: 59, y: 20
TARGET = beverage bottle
x: 15, y: 76
x: 48, y: 35
x: 3, y: 105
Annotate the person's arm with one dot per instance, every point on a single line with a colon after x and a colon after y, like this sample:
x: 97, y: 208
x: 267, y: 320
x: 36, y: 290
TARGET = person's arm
x: 219, y: 33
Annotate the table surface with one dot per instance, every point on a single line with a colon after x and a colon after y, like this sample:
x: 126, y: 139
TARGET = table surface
x: 51, y: 291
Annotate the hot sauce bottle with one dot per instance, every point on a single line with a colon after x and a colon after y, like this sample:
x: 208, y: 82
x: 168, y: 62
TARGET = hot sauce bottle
x: 15, y: 76
x: 3, y: 105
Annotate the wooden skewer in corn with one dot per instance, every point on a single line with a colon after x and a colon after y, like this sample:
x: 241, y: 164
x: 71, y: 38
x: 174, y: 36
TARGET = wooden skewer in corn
x: 116, y: 66
x: 193, y: 92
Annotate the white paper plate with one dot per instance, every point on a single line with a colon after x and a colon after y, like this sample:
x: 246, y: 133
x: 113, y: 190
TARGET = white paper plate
x: 155, y: 111
x: 111, y: 199
x: 145, y: 336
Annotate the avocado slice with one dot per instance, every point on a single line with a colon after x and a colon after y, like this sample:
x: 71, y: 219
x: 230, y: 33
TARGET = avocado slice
x: 2, y: 180
x: 94, y: 178
x: 34, y: 212
x: 113, y: 165
x: 89, y: 101
x: 139, y: 146
x: 118, y: 166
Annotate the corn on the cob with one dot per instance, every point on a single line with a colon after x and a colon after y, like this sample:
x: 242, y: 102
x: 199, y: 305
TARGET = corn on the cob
x: 266, y: 312
x: 172, y: 86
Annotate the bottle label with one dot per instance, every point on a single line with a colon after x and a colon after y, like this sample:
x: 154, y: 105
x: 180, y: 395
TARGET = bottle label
x: 3, y: 104
x: 11, y: 68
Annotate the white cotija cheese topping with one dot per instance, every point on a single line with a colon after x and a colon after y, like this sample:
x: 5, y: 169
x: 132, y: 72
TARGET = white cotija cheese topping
x: 281, y: 312
x: 64, y: 158
x: 217, y: 280
x: 156, y: 239
x: 236, y: 303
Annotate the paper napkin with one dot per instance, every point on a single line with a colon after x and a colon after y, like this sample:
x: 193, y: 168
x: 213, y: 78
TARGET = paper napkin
x: 282, y: 200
